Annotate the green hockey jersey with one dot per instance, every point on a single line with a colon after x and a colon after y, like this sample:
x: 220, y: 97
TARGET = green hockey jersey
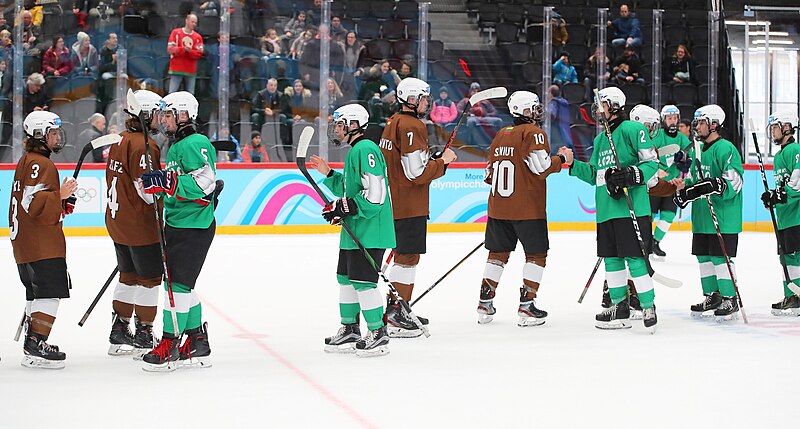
x: 719, y: 159
x: 194, y: 159
x: 787, y: 173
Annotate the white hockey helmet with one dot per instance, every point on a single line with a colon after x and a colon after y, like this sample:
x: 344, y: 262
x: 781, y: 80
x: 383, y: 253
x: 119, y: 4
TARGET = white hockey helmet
x: 711, y: 113
x: 612, y: 96
x: 150, y: 102
x: 781, y: 119
x: 38, y: 124
x: 670, y: 109
x: 646, y: 116
x: 520, y: 101
x: 346, y: 115
x: 181, y: 101
x: 416, y: 88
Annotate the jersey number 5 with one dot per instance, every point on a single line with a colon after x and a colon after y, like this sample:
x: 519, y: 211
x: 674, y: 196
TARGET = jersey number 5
x: 503, y: 178
x: 113, y: 201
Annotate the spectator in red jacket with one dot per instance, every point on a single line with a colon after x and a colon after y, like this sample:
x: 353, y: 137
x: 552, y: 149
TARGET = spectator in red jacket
x: 483, y: 113
x: 56, y: 60
x: 185, y: 48
x: 254, y: 151
x: 444, y: 109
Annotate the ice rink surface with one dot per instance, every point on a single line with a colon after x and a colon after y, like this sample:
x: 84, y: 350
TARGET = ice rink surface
x: 270, y: 301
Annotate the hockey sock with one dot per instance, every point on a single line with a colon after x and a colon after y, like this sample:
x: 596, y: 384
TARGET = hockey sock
x: 195, y: 317
x: 183, y: 301
x: 724, y: 280
x: 43, y: 315
x: 348, y: 301
x: 793, y: 266
x: 124, y: 298
x: 532, y: 273
x: 402, y: 275
x: 371, y: 303
x: 708, y: 277
x: 146, y: 303
x: 642, y: 281
x: 494, y: 268
x: 662, y: 226
x: 617, y: 279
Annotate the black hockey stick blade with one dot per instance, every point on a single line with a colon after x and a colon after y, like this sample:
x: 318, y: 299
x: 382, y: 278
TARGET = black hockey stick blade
x: 92, y: 145
x: 224, y: 145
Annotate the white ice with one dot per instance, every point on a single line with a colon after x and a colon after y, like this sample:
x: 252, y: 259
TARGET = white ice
x: 270, y: 300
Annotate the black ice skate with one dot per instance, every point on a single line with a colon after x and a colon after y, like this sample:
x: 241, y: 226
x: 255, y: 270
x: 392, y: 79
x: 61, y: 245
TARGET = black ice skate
x: 528, y: 314
x: 650, y: 319
x: 376, y: 343
x: 120, y: 340
x: 399, y: 325
x: 486, y: 309
x: 195, y: 351
x: 39, y: 354
x: 143, y: 340
x: 658, y: 254
x: 789, y: 306
x: 728, y: 310
x: 615, y: 317
x: 709, y: 304
x: 345, y: 339
x: 164, y: 357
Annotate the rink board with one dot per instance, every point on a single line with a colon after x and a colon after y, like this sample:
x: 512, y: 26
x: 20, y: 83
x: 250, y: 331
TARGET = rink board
x: 275, y: 198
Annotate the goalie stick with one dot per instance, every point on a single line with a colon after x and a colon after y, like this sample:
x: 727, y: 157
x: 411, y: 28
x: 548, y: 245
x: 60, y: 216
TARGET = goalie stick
x: 496, y: 92
x: 302, y: 148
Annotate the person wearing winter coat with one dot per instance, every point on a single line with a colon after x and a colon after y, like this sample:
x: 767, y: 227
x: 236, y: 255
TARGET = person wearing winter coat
x: 85, y: 59
x: 56, y: 60
x: 444, y: 109
x: 564, y: 71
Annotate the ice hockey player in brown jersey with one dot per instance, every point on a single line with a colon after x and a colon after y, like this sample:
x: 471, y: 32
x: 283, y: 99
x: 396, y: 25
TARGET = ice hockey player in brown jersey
x: 518, y: 165
x: 411, y: 169
x: 38, y: 206
x: 132, y: 225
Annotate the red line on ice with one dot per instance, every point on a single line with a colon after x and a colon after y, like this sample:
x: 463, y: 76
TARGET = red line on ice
x: 297, y: 371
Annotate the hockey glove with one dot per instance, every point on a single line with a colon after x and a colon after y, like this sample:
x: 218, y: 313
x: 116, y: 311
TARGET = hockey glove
x: 614, y: 192
x: 160, y: 181
x: 69, y: 204
x: 774, y: 197
x: 617, y: 179
x: 682, y: 162
x: 337, y: 210
x: 707, y: 186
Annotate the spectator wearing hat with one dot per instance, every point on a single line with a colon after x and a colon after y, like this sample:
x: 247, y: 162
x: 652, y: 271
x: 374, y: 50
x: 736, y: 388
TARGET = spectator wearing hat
x: 483, y: 114
x: 560, y: 34
x: 254, y: 151
x: 34, y: 98
x: 626, y: 29
x: 85, y: 59
x: 564, y: 71
x: 444, y: 109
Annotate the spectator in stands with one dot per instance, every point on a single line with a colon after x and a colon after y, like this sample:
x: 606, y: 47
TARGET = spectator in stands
x: 626, y: 29
x: 5, y: 83
x: 590, y: 71
x: 483, y: 114
x: 563, y: 71
x: 255, y: 151
x: 558, y: 109
x: 681, y: 67
x: 301, y: 102
x: 405, y: 71
x: 626, y: 67
x: 34, y: 98
x: 37, y: 15
x: 210, y: 8
x: 3, y: 24
x: 57, y: 61
x: 85, y: 59
x: 6, y: 45
x: 338, y: 32
x: 271, y: 44
x: 309, y: 60
x: 352, y: 50
x: 335, y: 97
x: 108, y: 71
x: 560, y: 34
x: 312, y: 15
x: 685, y: 127
x: 299, y: 44
x: 373, y: 78
x: 30, y: 35
x: 444, y: 109
x: 382, y: 106
x: 269, y: 105
x: 296, y: 25
x: 185, y: 48
x: 97, y: 128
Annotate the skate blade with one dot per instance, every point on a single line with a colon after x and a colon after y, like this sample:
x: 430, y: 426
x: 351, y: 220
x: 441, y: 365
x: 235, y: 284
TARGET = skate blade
x: 484, y: 318
x: 138, y: 353
x: 729, y: 318
x: 196, y: 362
x: 610, y: 326
x: 525, y: 322
x: 41, y: 363
x: 703, y: 314
x: 792, y: 312
x: 395, y: 332
x: 637, y: 315
x: 160, y: 367
x: 656, y: 258
x: 374, y: 352
x: 348, y: 348
x: 120, y: 349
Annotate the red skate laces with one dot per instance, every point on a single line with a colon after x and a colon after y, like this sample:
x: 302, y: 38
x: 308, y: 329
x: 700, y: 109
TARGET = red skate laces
x: 163, y: 348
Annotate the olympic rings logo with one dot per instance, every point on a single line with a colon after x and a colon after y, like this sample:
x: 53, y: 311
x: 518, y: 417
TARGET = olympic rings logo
x: 86, y: 194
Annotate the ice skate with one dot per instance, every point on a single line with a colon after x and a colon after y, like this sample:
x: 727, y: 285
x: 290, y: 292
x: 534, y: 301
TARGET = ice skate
x: 164, y: 357
x: 528, y: 314
x: 399, y: 325
x: 195, y: 351
x: 345, y: 339
x: 486, y: 308
x: 120, y: 340
x: 650, y: 319
x: 728, y: 310
x: 658, y: 254
x: 636, y: 307
x: 615, y: 317
x: 788, y: 307
x: 39, y: 354
x: 375, y: 343
x: 606, y: 301
x: 709, y: 304
x: 143, y: 340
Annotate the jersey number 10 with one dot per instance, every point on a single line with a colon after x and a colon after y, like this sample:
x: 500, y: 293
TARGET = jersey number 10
x: 503, y: 178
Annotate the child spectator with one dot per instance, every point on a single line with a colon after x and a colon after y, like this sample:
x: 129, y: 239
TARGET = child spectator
x: 626, y: 67
x: 254, y: 151
x: 444, y: 109
x: 560, y: 34
x: 271, y: 44
x: 563, y: 71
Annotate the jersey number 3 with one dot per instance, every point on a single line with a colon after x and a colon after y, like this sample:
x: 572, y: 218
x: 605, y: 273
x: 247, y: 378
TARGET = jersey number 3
x: 503, y: 178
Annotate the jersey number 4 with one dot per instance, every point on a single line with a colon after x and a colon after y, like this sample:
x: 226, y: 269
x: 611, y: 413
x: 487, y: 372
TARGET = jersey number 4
x: 113, y: 201
x: 503, y: 178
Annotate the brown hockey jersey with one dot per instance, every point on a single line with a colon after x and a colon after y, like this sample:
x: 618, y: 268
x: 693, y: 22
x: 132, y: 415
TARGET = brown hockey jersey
x: 404, y: 144
x: 129, y: 213
x: 35, y: 214
x: 519, y: 163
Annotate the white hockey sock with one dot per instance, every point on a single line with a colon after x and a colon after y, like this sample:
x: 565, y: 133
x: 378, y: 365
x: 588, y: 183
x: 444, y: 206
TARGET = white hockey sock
x: 532, y: 272
x: 493, y: 270
x: 125, y: 293
x: 48, y: 306
x: 147, y: 296
x: 403, y: 274
x: 347, y: 294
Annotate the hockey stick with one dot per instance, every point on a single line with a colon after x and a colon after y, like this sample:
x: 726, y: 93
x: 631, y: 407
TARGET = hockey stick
x: 786, y: 276
x: 224, y: 145
x: 135, y: 110
x: 448, y: 273
x: 99, y: 295
x: 302, y: 148
x: 697, y: 155
x: 656, y: 277
x: 21, y: 326
x: 92, y: 145
x: 496, y: 92
x: 589, y: 282
x: 388, y: 261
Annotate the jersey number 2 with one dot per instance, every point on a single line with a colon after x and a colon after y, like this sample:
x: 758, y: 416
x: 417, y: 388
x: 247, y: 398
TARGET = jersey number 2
x: 113, y: 201
x: 503, y: 178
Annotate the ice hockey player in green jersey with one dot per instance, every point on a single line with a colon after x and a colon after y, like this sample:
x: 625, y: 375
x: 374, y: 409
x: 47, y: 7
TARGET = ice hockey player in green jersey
x: 785, y: 199
x: 721, y: 181
x: 364, y: 205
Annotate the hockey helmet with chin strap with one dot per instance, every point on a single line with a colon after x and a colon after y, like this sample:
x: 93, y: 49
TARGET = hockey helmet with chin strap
x: 175, y: 104
x: 711, y: 114
x: 781, y: 119
x: 150, y: 102
x: 39, y: 124
x: 520, y: 101
x: 613, y: 97
x: 670, y: 109
x: 648, y: 117
x: 412, y: 87
x: 347, y: 115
